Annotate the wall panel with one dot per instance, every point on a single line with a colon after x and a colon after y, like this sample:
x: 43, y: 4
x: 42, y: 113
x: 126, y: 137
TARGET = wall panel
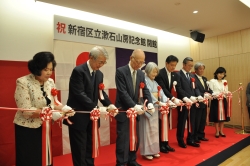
x: 209, y: 48
x: 245, y: 38
x: 229, y: 44
x: 194, y: 50
x: 238, y: 71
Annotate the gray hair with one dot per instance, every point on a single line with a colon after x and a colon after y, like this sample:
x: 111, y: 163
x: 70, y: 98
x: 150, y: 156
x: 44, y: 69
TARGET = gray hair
x: 97, y: 51
x: 150, y: 66
x: 187, y: 59
x: 197, y: 65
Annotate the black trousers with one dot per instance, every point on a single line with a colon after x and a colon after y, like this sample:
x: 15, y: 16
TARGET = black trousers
x: 182, y: 117
x: 201, y: 115
x: 28, y: 146
x: 81, y: 146
x: 123, y: 153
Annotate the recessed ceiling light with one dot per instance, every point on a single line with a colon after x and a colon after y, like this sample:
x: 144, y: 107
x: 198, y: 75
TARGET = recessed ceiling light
x: 246, y: 2
x: 195, y: 11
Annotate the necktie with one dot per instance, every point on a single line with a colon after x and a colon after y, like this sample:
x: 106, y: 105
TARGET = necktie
x: 188, y: 76
x: 133, y: 79
x: 169, y: 79
x: 202, y: 82
x: 93, y: 78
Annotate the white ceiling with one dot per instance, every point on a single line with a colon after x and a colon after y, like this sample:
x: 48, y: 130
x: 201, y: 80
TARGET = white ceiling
x: 215, y: 17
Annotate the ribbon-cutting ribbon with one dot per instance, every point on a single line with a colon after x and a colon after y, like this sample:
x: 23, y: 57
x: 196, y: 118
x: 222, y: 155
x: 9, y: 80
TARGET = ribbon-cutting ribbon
x: 164, y: 110
x: 221, y: 114
x: 94, y: 116
x: 229, y: 104
x: 131, y: 114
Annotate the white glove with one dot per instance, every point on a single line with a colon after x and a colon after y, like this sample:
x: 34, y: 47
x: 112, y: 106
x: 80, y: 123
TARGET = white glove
x: 200, y: 98
x: 112, y: 107
x: 193, y: 99
x: 177, y: 101
x: 215, y: 94
x: 103, y: 109
x: 162, y: 104
x: 187, y: 100
x: 151, y: 108
x: 138, y: 109
x: 56, y: 116
x: 171, y: 104
x: 68, y: 110
x: 207, y: 96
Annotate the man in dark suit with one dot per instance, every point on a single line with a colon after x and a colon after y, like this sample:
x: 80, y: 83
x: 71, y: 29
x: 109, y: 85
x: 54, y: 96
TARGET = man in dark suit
x: 83, y: 96
x: 201, y: 113
x: 189, y: 96
x: 128, y: 79
x: 165, y: 79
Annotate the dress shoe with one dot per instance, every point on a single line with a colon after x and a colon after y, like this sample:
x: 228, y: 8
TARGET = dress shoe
x: 134, y: 163
x: 193, y: 144
x: 217, y: 136
x: 203, y: 139
x: 222, y: 135
x: 163, y: 149
x: 148, y: 157
x: 170, y: 149
x: 197, y: 141
x: 156, y: 155
x: 182, y: 144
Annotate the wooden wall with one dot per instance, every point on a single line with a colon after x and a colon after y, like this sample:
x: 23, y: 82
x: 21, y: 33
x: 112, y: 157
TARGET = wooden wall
x: 231, y: 51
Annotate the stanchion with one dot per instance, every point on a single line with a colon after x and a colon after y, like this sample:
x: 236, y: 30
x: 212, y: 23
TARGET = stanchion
x: 242, y: 131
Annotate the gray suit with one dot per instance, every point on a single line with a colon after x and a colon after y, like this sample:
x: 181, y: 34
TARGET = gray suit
x: 126, y: 98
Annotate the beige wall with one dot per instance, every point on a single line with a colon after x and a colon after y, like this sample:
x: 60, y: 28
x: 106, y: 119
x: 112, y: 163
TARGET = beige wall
x: 231, y: 51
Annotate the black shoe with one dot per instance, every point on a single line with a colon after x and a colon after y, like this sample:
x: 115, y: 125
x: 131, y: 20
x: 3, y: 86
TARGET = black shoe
x: 203, y: 139
x: 182, y: 144
x: 170, y: 149
x: 197, y: 141
x: 193, y: 144
x: 163, y: 149
x: 222, y: 135
x: 134, y: 163
x: 217, y: 136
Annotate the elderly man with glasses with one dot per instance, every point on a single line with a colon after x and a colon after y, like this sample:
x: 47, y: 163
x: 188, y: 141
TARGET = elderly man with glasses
x: 129, y: 79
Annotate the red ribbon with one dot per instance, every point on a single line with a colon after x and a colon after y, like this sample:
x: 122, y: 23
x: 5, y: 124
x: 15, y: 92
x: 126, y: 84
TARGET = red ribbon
x: 94, y: 116
x: 101, y: 88
x: 159, y: 91
x: 54, y: 94
x: 142, y: 85
x: 131, y: 114
x: 221, y: 113
x: 164, y: 110
x: 229, y: 104
x: 193, y: 80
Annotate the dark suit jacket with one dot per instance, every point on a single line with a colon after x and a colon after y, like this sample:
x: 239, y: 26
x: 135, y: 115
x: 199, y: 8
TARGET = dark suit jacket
x: 125, y: 96
x: 83, y: 96
x: 201, y: 88
x: 186, y: 85
x: 162, y: 80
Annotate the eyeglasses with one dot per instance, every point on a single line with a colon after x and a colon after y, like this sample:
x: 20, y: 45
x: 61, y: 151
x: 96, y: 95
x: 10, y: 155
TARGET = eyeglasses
x: 101, y: 62
x: 139, y: 62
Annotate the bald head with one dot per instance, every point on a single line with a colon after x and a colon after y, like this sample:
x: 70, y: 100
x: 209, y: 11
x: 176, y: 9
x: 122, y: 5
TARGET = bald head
x: 137, y: 59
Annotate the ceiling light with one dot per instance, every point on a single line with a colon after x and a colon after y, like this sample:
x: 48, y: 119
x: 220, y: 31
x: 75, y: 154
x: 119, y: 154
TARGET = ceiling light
x: 195, y: 11
x: 246, y: 2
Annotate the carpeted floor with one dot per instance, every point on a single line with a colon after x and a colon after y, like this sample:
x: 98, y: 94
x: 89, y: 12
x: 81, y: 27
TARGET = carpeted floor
x: 189, y: 156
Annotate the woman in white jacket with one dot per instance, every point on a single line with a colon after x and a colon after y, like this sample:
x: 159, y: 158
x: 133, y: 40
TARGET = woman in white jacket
x: 33, y: 92
x: 218, y: 109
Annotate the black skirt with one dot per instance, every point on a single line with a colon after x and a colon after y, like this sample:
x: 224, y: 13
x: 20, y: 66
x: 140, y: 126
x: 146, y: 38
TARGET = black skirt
x: 213, y: 115
x: 28, y: 146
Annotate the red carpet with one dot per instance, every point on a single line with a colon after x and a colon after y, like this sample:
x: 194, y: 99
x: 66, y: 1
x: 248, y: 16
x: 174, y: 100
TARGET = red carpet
x: 189, y: 157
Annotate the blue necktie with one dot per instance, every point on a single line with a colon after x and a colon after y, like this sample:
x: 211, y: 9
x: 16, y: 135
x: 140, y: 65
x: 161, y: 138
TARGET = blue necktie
x: 188, y: 76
